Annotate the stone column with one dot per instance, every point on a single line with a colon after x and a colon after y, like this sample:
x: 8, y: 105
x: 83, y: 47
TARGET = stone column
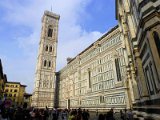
x: 133, y: 83
x: 127, y: 93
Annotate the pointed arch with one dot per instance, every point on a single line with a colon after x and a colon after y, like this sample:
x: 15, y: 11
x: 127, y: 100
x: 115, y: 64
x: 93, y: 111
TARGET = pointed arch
x: 46, y: 48
x: 49, y: 64
x: 50, y: 49
x: 45, y: 63
x: 50, y: 31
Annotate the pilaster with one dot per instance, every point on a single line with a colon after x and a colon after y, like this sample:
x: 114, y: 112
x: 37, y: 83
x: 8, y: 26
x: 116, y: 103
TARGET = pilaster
x: 141, y: 74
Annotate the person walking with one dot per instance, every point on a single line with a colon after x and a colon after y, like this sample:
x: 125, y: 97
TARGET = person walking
x: 101, y: 117
x: 72, y: 115
x: 110, y: 115
x: 129, y: 115
x: 64, y: 115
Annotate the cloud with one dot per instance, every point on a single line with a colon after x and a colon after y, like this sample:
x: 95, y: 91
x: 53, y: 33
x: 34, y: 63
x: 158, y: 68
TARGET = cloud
x: 72, y: 47
x: 72, y: 37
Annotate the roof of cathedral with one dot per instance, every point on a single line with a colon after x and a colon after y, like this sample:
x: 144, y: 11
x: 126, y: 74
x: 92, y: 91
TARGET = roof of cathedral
x: 111, y: 30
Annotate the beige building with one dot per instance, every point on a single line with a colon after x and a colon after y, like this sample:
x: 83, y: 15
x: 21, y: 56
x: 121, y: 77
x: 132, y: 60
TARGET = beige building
x: 97, y: 77
x: 139, y: 22
x: 15, y: 91
x: 27, y: 99
x: 43, y: 94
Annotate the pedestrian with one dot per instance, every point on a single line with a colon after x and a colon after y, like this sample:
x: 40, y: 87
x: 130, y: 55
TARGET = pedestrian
x: 64, y: 115
x: 110, y: 115
x: 33, y: 114
x: 129, y: 115
x: 19, y: 115
x: 85, y: 114
x: 125, y: 114
x: 79, y: 114
x: 54, y: 117
x: 11, y: 113
x: 55, y: 114
x: 4, y: 112
x: 46, y: 114
x: 101, y: 117
x: 72, y: 115
x: 122, y: 114
x: 88, y: 115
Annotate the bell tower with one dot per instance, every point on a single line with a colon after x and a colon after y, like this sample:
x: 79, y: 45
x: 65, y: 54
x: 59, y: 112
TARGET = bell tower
x: 43, y: 95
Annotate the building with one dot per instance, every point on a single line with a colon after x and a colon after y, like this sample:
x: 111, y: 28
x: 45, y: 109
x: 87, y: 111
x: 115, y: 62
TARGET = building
x: 139, y: 22
x: 43, y: 95
x: 15, y: 91
x: 11, y: 90
x: 97, y: 77
x: 3, y: 80
x: 27, y: 99
x: 121, y: 69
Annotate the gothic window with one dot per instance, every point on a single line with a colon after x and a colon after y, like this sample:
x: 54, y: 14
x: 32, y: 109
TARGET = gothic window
x: 50, y: 31
x: 50, y: 49
x: 157, y: 41
x: 89, y: 77
x: 49, y: 64
x: 46, y: 48
x: 118, y: 69
x: 45, y: 63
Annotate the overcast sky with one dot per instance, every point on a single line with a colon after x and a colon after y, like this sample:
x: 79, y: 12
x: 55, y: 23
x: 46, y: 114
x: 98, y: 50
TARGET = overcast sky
x: 81, y: 23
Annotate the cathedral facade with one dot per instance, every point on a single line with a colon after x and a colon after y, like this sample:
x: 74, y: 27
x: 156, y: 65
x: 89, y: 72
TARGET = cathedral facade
x: 96, y: 78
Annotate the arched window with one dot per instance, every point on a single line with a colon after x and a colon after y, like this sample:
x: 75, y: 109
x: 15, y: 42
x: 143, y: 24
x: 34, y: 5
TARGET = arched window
x: 157, y: 41
x: 118, y: 72
x: 45, y: 63
x: 50, y: 31
x: 49, y: 64
x: 50, y: 49
x: 46, y: 47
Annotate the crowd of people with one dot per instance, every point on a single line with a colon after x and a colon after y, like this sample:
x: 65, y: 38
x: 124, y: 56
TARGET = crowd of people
x: 110, y: 115
x: 19, y: 113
